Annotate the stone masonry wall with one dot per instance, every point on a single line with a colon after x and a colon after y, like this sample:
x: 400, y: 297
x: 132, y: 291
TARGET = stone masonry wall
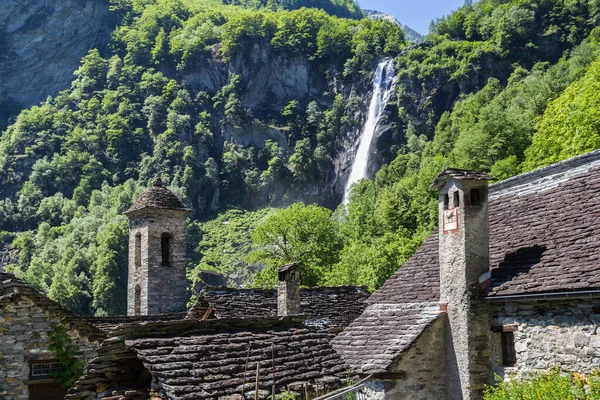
x: 163, y: 288
x: 424, y: 367
x: 24, y: 331
x: 138, y: 275
x: 548, y: 334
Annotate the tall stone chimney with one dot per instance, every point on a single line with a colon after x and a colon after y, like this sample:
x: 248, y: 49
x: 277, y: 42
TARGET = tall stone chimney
x: 464, y: 267
x: 288, y: 290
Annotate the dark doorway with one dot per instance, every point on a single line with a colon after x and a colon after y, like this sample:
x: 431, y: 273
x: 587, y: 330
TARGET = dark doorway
x: 46, y: 391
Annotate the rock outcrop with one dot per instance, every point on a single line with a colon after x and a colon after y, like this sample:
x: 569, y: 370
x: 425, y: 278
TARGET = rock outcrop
x: 42, y: 43
x: 409, y: 33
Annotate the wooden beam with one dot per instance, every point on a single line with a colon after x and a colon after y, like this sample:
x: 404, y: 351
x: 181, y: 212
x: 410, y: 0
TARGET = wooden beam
x: 390, y: 376
x: 207, y: 313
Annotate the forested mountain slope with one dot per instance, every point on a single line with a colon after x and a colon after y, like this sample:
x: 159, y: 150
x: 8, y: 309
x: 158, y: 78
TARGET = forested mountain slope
x: 251, y: 105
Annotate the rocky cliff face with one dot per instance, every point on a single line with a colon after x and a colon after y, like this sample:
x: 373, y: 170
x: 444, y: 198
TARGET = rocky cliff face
x: 271, y: 80
x: 42, y: 43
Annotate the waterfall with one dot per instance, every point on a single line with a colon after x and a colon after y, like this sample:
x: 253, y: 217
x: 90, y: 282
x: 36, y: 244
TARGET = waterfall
x: 382, y: 82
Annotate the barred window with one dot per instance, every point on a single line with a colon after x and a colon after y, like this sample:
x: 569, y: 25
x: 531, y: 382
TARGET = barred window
x: 44, y: 369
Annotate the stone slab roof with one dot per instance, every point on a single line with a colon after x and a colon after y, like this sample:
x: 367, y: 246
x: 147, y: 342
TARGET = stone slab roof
x: 157, y: 197
x: 399, y: 312
x: 12, y: 289
x: 460, y: 174
x: 543, y: 239
x: 544, y: 230
x: 417, y: 281
x: 191, y: 359
x: 383, y: 333
x: 113, y: 323
x: 543, y: 236
x: 334, y: 306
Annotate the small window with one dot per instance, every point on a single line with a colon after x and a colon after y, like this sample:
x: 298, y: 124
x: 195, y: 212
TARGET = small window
x: 137, y: 300
x: 44, y: 369
x: 475, y: 197
x: 138, y: 250
x: 446, y: 201
x: 165, y: 249
x: 509, y: 356
x: 282, y: 277
x: 293, y: 276
x: 456, y: 199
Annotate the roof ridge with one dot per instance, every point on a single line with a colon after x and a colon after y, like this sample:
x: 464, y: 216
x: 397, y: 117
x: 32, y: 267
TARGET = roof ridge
x: 569, y: 164
x: 41, y: 299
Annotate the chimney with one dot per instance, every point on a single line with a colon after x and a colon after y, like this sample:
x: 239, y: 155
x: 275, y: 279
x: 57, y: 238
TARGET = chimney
x: 464, y: 263
x: 288, y: 290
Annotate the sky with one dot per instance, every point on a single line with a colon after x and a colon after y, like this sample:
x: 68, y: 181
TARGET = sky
x: 415, y: 13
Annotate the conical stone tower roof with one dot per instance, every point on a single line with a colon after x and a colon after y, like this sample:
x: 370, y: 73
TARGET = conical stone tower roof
x: 157, y: 197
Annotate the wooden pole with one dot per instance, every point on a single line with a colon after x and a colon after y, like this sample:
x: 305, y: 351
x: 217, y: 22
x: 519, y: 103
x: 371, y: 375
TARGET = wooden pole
x: 273, y: 366
x: 245, y: 372
x: 257, y: 379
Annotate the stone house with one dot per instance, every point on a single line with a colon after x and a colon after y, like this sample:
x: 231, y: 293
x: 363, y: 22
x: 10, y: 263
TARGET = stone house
x: 216, y: 349
x: 507, y: 291
x: 160, y: 350
x: 26, y: 363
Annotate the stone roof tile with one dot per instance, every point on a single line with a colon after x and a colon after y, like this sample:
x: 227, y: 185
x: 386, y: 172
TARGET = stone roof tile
x: 335, y: 306
x: 382, y: 334
x: 157, y: 197
x: 212, y: 359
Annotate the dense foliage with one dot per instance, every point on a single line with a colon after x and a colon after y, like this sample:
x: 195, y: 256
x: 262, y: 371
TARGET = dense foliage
x: 339, y: 8
x: 70, y: 166
x: 543, y: 112
x: 552, y: 385
x: 66, y: 351
x: 223, y: 244
x: 500, y: 86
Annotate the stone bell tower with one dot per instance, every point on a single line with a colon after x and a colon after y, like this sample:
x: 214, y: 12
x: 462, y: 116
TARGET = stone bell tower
x: 157, y: 261
x: 464, y: 267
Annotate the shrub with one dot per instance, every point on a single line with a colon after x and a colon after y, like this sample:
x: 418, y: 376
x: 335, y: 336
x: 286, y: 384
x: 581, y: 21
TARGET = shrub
x: 551, y: 385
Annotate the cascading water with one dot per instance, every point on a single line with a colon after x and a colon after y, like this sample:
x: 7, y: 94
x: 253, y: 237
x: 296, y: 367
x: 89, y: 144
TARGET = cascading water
x: 382, y: 83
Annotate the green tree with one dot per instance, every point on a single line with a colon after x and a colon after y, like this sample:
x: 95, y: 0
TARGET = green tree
x: 299, y: 233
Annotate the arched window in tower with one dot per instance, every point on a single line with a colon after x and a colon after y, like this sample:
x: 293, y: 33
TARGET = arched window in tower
x: 138, y: 250
x: 165, y: 249
x: 137, y: 301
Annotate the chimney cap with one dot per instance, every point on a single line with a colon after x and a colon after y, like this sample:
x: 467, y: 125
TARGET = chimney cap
x: 459, y: 174
x: 288, y: 267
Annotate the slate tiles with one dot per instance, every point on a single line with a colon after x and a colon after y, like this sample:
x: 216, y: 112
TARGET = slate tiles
x: 417, y: 281
x: 156, y: 197
x: 546, y: 238
x: 191, y: 359
x: 334, y: 306
x: 382, y: 334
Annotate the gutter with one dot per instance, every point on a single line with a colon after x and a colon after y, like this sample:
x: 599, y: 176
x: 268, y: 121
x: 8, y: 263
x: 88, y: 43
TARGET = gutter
x: 587, y: 294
